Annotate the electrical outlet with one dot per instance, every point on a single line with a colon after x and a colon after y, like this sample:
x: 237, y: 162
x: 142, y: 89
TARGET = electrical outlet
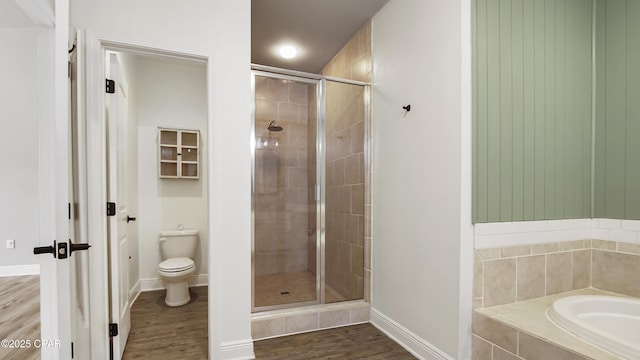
x: 11, y: 244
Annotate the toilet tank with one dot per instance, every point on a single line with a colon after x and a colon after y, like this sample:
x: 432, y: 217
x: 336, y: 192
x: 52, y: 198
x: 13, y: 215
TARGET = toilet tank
x: 178, y: 243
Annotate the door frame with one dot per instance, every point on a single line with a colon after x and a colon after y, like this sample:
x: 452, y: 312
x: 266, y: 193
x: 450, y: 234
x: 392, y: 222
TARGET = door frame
x: 96, y: 43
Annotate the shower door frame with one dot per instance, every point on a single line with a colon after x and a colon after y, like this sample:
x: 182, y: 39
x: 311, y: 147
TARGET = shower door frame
x: 320, y: 188
x: 319, y: 195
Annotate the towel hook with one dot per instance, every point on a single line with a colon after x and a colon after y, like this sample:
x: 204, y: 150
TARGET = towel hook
x: 408, y: 107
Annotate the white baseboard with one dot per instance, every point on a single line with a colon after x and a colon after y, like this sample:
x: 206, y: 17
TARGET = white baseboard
x: 417, y: 346
x: 134, y: 292
x: 157, y: 284
x: 237, y: 350
x: 151, y: 284
x: 19, y: 270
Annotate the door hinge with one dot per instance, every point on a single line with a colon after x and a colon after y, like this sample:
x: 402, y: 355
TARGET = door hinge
x: 72, y: 350
x: 113, y: 329
x: 111, y: 87
x: 111, y: 209
x: 69, y: 210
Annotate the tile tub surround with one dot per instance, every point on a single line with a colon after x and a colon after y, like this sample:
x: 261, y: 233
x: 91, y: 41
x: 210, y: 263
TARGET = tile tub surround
x: 518, y: 273
x: 616, y: 270
x: 523, y: 331
x: 284, y: 322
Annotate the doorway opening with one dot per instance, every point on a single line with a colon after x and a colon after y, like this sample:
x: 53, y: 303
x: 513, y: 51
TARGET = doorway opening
x: 150, y: 97
x: 25, y: 106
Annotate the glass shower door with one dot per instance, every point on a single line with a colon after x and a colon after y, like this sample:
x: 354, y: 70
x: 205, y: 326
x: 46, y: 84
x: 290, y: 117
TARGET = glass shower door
x: 345, y: 191
x: 285, y: 238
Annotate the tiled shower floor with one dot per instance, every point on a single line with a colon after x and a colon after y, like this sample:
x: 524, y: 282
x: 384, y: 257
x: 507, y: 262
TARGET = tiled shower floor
x: 287, y: 288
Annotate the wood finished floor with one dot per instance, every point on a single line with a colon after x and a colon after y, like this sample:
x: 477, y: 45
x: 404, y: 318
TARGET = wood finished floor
x: 162, y: 332
x: 169, y: 333
x: 20, y: 314
x: 354, y: 342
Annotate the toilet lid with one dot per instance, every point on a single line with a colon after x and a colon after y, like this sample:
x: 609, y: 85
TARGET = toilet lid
x: 176, y: 264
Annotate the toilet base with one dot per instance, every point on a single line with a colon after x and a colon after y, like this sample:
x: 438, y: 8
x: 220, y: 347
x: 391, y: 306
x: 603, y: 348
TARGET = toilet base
x: 177, y: 293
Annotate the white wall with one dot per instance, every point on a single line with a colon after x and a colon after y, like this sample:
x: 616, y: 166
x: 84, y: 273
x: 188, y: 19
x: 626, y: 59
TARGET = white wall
x: 222, y: 27
x: 172, y: 95
x: 421, y: 231
x: 19, y: 146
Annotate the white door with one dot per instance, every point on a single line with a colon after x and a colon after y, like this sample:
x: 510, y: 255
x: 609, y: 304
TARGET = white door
x: 116, y: 107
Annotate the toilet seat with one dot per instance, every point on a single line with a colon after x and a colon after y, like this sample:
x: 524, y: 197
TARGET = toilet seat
x: 176, y: 265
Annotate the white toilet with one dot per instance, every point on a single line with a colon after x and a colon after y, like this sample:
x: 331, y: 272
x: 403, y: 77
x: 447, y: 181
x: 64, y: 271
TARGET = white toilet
x: 178, y: 249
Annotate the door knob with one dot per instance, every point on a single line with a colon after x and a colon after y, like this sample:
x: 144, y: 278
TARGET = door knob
x: 75, y: 247
x: 45, y: 249
x: 60, y: 250
x: 129, y: 218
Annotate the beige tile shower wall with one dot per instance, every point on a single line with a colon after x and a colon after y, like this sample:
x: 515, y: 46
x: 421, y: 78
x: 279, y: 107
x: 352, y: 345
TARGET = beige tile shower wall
x: 353, y: 61
x: 347, y: 241
x: 345, y: 170
x: 281, y: 182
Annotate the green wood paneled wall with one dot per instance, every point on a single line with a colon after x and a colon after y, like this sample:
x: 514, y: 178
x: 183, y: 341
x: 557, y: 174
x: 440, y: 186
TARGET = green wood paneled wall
x: 617, y: 160
x: 532, y: 75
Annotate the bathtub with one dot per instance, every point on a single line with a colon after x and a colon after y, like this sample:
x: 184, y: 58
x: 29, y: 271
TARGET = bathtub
x: 612, y: 323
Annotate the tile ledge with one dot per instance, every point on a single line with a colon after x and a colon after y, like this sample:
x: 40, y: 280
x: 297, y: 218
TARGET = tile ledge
x: 309, y: 309
x: 530, y: 317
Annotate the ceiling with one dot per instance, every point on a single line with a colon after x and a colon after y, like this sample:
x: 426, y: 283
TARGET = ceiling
x: 318, y: 28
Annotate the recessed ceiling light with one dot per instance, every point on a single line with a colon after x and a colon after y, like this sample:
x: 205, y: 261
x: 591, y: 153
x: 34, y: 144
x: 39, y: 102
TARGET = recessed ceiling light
x: 288, y: 51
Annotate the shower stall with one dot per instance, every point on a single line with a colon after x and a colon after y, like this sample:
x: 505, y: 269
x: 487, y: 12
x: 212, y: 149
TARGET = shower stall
x: 309, y: 166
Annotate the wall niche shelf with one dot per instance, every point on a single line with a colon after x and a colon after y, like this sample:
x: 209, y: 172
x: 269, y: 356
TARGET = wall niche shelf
x: 179, y: 154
